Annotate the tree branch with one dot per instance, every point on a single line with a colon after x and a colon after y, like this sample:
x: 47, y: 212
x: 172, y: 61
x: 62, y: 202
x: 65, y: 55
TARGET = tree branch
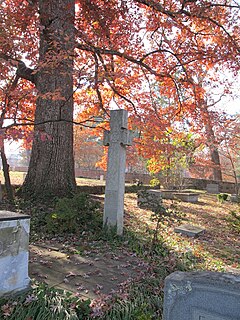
x: 22, y: 70
x: 97, y: 50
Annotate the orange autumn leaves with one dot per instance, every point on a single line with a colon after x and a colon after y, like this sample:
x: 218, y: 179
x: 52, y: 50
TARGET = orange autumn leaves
x: 145, y: 56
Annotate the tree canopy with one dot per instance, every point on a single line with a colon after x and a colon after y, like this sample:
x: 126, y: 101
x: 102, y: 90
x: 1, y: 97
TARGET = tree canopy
x: 104, y: 54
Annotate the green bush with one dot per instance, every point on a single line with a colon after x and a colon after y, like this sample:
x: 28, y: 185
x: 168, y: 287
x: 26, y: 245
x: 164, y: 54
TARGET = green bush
x: 73, y: 214
x: 222, y: 197
x: 154, y: 182
x: 234, y: 220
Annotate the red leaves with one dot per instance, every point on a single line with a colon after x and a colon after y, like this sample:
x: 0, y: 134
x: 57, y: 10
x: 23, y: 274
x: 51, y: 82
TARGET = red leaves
x: 141, y: 55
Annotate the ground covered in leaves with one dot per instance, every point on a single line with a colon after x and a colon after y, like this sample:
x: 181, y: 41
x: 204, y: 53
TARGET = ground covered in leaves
x: 159, y: 249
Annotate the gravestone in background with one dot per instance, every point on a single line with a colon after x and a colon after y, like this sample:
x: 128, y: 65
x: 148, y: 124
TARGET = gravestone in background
x: 202, y: 296
x: 187, y: 196
x: 14, y: 239
x: 189, y: 230
x: 116, y: 139
x: 212, y: 188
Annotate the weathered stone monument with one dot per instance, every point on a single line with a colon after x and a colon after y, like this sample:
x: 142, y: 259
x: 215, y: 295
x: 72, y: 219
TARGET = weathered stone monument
x: 202, y: 296
x: 14, y: 239
x: 187, y: 196
x: 212, y: 188
x: 117, y: 139
x: 189, y: 230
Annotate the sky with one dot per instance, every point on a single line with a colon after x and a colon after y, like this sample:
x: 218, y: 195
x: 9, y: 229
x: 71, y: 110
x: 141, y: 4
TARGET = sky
x: 231, y: 106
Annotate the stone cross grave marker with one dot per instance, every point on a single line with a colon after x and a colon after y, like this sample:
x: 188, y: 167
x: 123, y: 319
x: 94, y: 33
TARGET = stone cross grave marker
x: 117, y: 139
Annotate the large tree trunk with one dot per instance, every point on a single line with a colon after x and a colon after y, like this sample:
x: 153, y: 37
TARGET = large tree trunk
x: 217, y: 172
x: 51, y: 168
x: 212, y: 145
x: 6, y: 174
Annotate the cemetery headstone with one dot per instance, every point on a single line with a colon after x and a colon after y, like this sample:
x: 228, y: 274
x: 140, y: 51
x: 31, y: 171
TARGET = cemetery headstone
x: 116, y: 139
x: 212, y: 188
x: 202, y: 296
x: 168, y: 194
x: 186, y: 196
x: 149, y: 199
x: 14, y: 239
x: 189, y: 230
x: 234, y: 198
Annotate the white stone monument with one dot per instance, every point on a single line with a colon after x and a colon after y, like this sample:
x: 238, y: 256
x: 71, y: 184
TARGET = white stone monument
x: 14, y: 239
x: 117, y: 139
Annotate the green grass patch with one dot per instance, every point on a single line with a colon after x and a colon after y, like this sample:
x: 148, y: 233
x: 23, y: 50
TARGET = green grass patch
x: 43, y: 303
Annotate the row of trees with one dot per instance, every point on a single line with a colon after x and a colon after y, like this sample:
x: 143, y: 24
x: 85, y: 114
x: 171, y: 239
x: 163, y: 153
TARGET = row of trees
x: 178, y: 154
x: 158, y: 59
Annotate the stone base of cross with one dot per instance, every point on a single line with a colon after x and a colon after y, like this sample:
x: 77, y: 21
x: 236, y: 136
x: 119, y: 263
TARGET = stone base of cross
x: 117, y: 139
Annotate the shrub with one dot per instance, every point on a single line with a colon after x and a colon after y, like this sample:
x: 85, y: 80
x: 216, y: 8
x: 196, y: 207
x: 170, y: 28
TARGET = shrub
x: 222, y: 197
x: 234, y: 220
x: 154, y: 182
x: 73, y: 214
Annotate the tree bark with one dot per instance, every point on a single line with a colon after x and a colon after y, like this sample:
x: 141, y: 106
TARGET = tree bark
x: 212, y: 145
x: 5, y: 165
x: 51, y: 168
x: 217, y: 172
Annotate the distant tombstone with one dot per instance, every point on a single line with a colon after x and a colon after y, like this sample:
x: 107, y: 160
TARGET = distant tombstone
x: 234, y: 198
x: 117, y: 139
x: 189, y: 230
x: 101, y: 178
x: 168, y: 194
x: 14, y: 239
x: 212, y: 188
x: 149, y: 199
x: 202, y: 296
x: 187, y: 196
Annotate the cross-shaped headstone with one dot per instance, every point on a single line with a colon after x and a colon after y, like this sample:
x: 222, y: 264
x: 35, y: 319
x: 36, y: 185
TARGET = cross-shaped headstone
x: 117, y: 139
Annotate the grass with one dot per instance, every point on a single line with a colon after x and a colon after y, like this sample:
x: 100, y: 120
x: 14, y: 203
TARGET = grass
x: 218, y: 250
x: 44, y: 303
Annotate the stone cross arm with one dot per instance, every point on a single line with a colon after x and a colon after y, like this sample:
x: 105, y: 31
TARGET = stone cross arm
x: 124, y: 137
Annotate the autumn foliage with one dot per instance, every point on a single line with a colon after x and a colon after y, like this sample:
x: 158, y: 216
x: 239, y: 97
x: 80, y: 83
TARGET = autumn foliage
x: 146, y: 56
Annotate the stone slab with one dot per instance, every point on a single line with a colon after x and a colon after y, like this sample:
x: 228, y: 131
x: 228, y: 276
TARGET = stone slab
x: 89, y: 276
x: 168, y: 194
x: 187, y: 197
x: 9, y: 215
x: 201, y: 296
x: 234, y: 198
x: 156, y: 193
x: 189, y: 230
